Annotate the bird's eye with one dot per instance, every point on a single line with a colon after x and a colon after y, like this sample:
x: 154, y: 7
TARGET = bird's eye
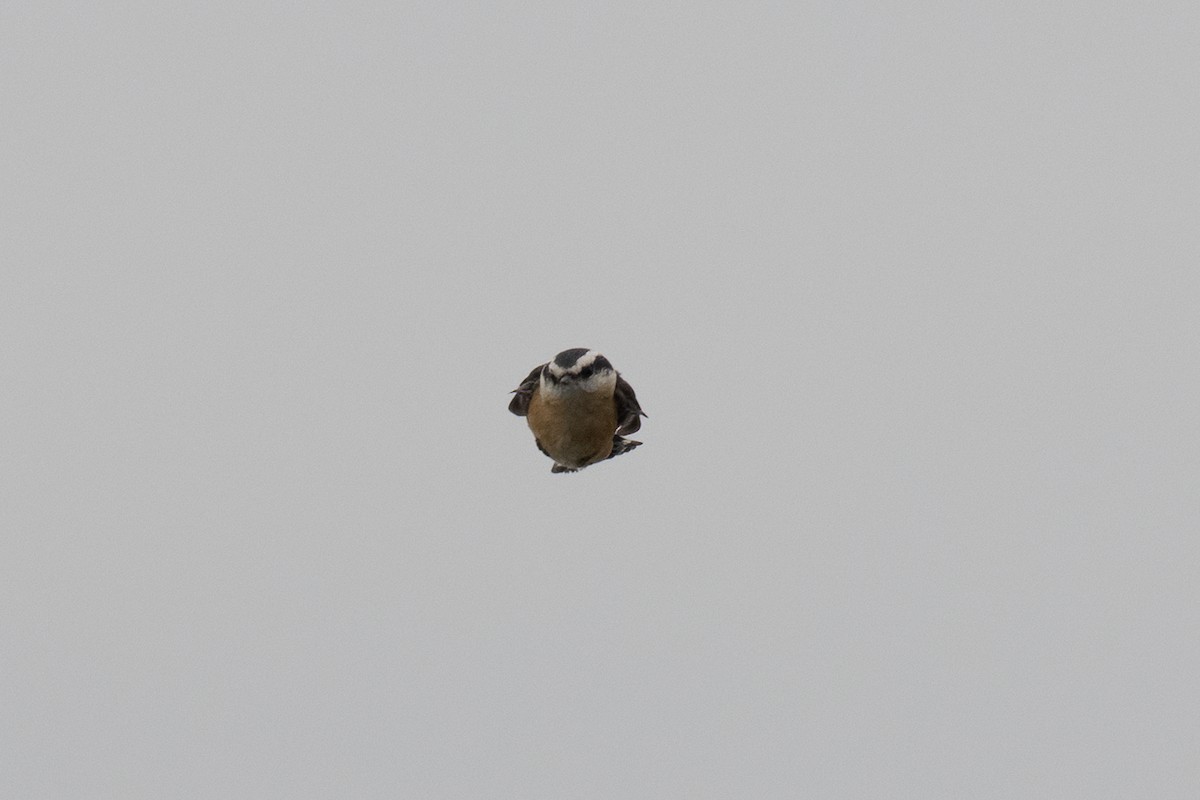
x: 586, y: 372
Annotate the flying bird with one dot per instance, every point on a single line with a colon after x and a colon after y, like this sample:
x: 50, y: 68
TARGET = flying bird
x: 579, y: 409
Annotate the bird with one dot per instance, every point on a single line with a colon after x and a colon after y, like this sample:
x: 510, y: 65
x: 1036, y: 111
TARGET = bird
x: 579, y: 409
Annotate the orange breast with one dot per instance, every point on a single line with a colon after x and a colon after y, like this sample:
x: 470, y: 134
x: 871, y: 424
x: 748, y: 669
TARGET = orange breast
x: 575, y: 429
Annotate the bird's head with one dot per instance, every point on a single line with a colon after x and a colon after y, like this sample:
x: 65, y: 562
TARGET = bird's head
x: 578, y: 369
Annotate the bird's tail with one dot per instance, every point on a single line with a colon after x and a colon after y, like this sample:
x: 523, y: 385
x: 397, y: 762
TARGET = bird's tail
x: 621, y: 446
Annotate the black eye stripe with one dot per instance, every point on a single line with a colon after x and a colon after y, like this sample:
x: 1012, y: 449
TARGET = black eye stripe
x: 598, y: 365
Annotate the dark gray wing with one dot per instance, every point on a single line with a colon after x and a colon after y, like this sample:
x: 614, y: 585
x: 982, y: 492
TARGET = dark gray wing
x: 628, y: 410
x: 520, y: 403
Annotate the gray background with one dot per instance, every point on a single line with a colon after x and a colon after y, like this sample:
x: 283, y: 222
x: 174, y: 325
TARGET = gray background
x: 909, y: 292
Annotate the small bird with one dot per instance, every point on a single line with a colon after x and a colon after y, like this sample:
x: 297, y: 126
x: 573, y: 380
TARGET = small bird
x: 579, y: 409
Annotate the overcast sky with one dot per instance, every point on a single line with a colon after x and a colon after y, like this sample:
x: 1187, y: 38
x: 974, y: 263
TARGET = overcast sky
x: 910, y: 292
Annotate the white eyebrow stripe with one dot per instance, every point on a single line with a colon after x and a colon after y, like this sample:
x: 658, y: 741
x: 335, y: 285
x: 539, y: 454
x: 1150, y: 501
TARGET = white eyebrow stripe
x: 585, y: 360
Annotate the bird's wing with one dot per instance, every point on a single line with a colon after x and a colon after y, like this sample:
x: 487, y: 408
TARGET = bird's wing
x: 520, y: 401
x: 628, y: 410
